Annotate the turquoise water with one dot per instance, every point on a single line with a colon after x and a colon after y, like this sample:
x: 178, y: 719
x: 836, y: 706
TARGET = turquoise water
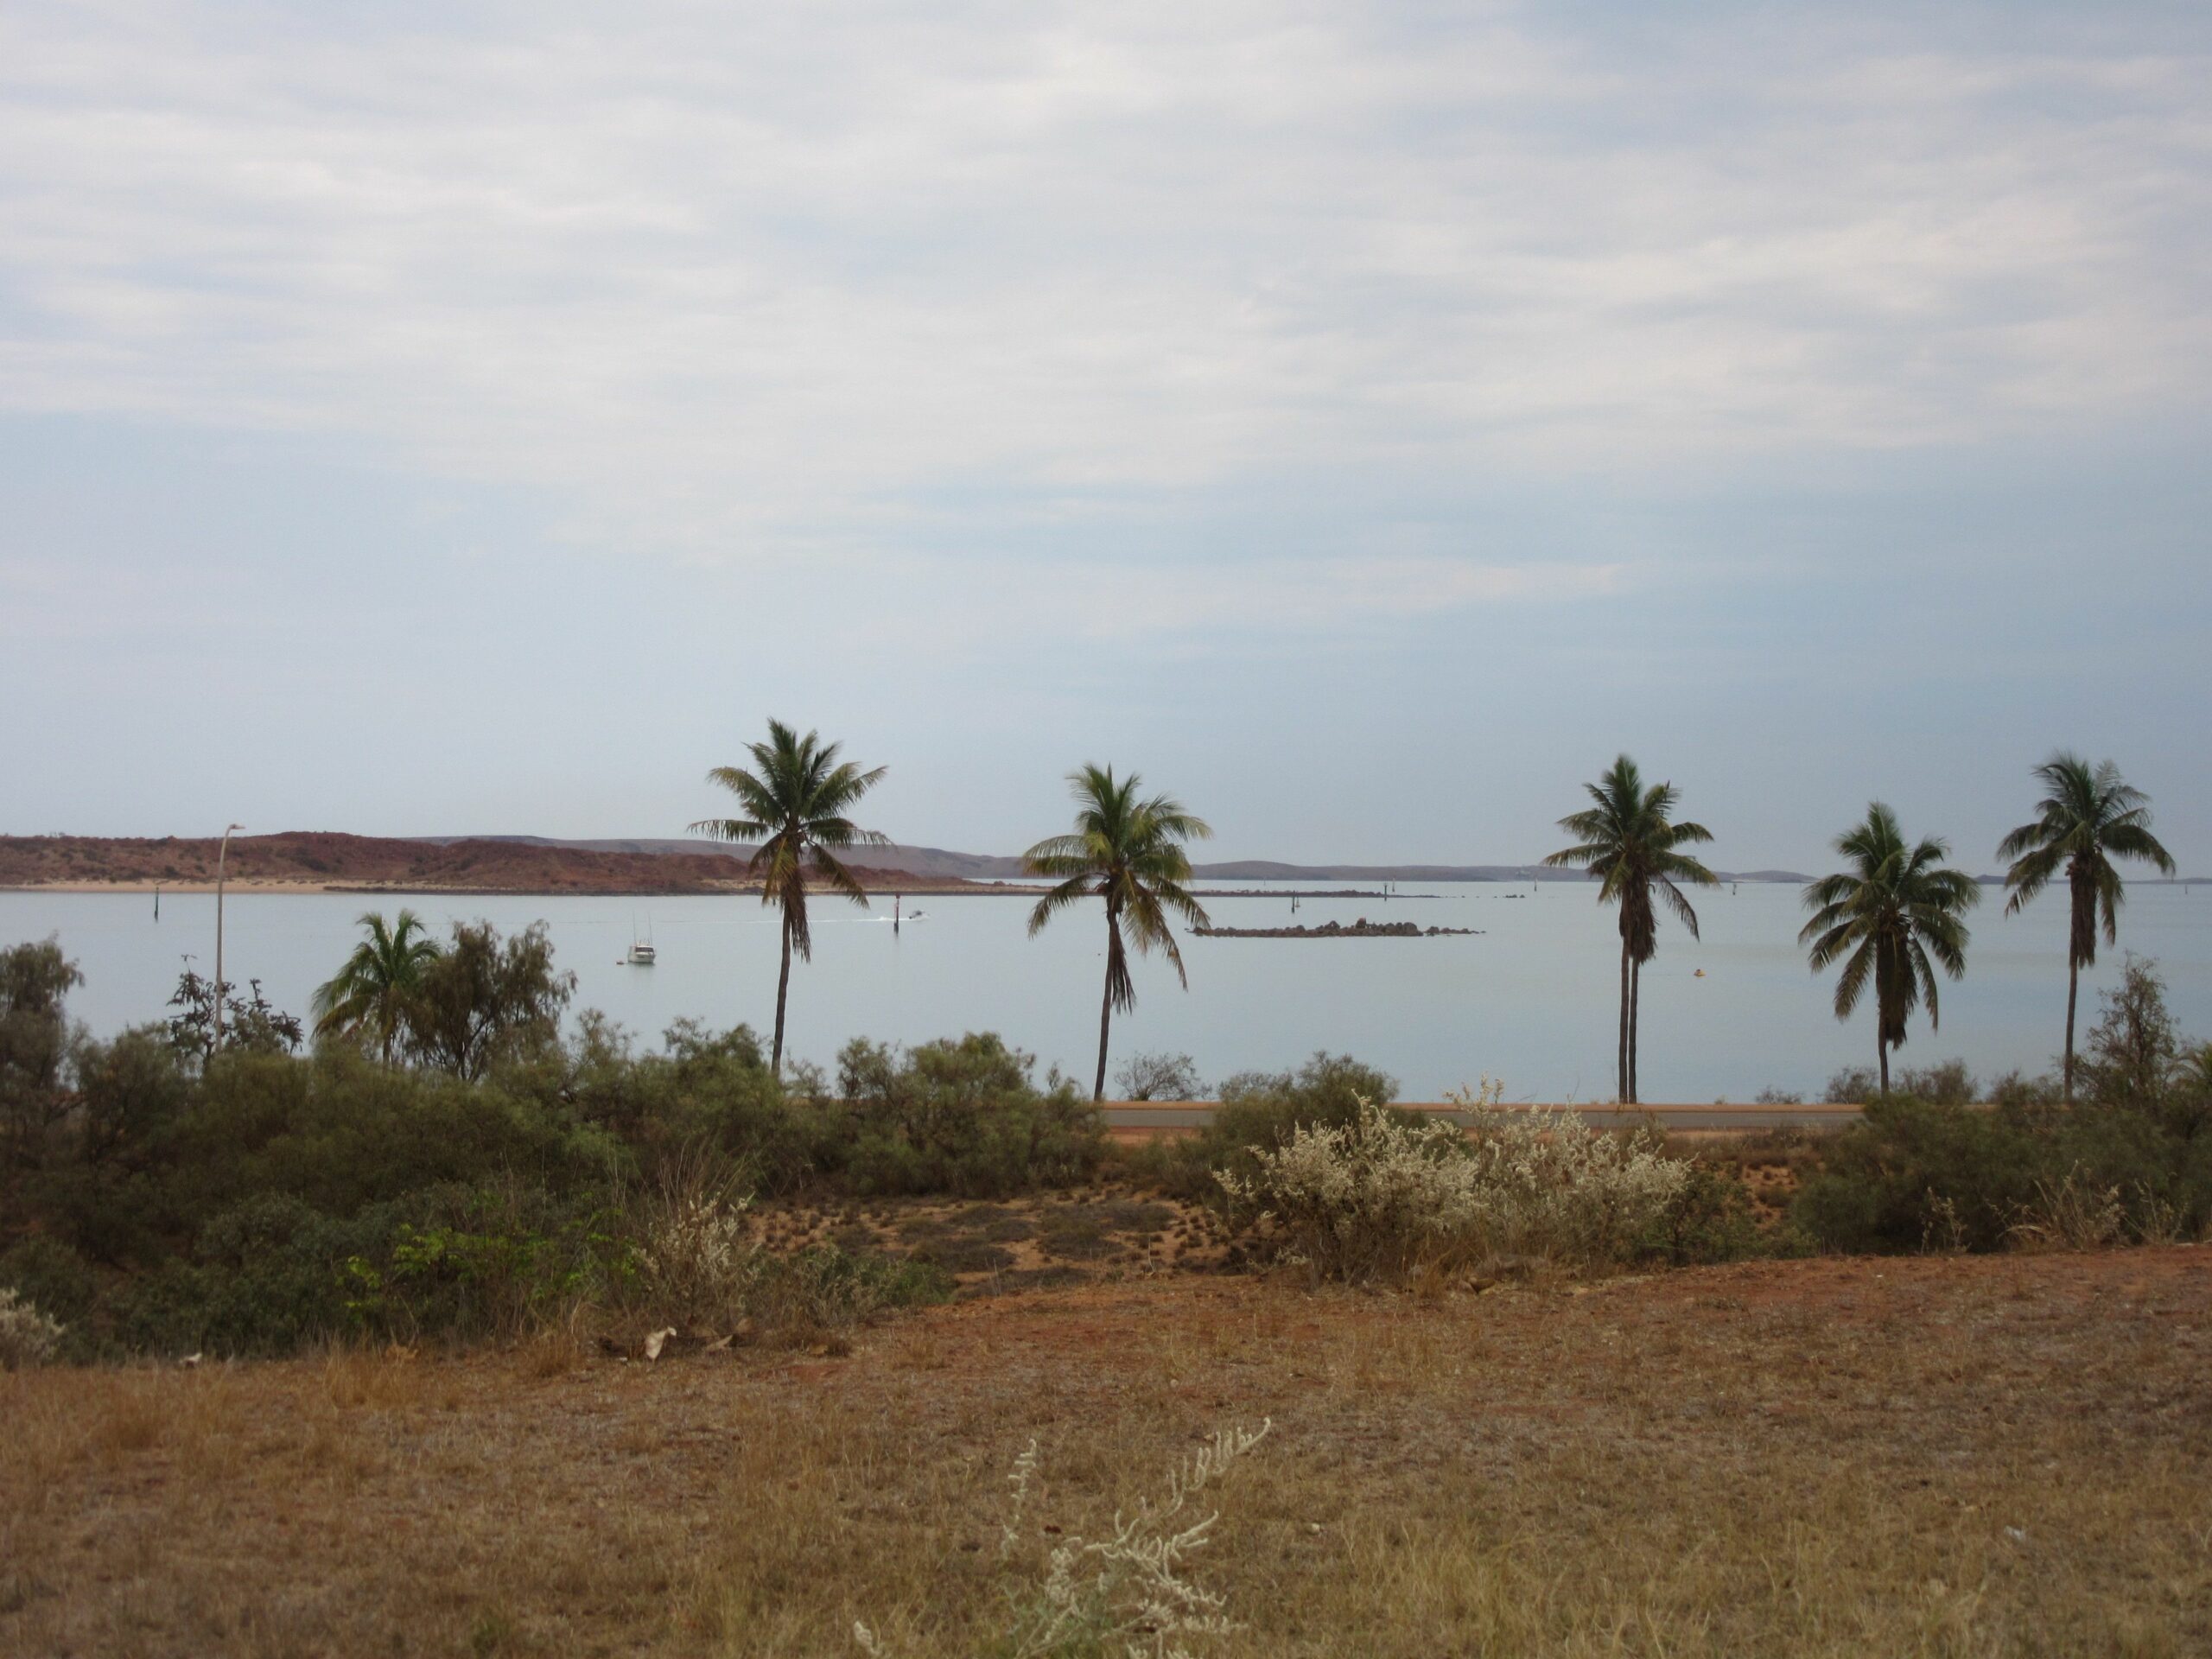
x: 1530, y: 1000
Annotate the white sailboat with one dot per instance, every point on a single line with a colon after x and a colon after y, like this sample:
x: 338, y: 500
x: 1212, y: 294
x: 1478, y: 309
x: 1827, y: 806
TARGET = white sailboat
x: 641, y: 950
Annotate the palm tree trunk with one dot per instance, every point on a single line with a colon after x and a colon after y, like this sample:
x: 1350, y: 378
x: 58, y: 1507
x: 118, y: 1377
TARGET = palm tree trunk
x: 1620, y: 1090
x: 1635, y: 1014
x: 2073, y: 992
x: 782, y: 985
x: 1105, y: 1019
x: 1882, y: 1051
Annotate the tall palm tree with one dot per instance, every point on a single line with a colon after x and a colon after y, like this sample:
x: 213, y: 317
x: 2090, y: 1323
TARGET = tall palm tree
x: 1626, y: 841
x: 2088, y: 817
x: 367, y: 997
x: 1896, y: 906
x: 795, y: 800
x: 1129, y: 852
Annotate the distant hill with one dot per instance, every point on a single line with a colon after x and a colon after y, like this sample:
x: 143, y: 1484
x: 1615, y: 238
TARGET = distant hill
x: 319, y: 859
x: 989, y: 867
x: 624, y: 864
x: 933, y: 861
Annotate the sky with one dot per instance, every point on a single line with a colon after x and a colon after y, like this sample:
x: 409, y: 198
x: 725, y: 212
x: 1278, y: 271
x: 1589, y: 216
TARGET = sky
x: 1364, y: 420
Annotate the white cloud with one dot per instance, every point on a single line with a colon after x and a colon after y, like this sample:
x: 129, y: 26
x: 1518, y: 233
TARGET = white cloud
x: 1191, y: 605
x: 764, y: 284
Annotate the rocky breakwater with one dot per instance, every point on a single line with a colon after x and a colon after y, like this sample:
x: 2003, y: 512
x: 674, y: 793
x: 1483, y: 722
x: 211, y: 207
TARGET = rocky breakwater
x: 1362, y: 929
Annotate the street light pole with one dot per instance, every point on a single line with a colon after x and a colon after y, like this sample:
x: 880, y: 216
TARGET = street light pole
x: 221, y: 853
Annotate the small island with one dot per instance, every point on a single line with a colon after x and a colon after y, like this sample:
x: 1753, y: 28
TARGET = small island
x: 1362, y: 929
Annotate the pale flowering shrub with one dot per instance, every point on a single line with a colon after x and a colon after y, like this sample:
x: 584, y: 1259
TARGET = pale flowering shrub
x: 1381, y: 1197
x: 697, y: 1261
x: 1554, y: 1186
x: 1123, y: 1594
x: 28, y: 1338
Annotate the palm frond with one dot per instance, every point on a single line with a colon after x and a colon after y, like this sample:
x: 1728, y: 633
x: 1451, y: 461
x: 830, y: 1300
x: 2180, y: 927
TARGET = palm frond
x: 1076, y: 886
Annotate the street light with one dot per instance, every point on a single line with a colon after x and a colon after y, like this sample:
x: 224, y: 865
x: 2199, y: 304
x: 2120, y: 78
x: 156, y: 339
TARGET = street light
x: 221, y: 853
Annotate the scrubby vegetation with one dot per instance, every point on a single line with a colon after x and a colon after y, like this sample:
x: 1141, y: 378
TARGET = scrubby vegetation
x: 27, y: 1336
x: 1261, y: 1110
x: 1384, y: 1197
x: 158, y: 1198
x: 2132, y: 1159
x: 460, y: 1170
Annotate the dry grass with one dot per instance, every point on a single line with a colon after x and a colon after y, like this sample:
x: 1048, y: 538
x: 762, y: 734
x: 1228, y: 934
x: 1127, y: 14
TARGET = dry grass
x: 1997, y: 1455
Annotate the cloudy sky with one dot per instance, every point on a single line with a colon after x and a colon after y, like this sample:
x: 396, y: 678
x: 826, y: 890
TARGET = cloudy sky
x: 1364, y: 420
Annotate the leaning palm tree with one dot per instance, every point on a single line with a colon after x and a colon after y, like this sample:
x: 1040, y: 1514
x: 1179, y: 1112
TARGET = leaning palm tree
x: 1884, y: 919
x: 1129, y: 852
x: 1627, y: 842
x: 2087, y: 817
x: 367, y: 997
x: 795, y: 799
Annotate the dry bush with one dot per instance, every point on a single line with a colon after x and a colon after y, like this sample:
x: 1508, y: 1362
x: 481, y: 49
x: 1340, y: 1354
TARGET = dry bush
x: 28, y: 1338
x: 700, y: 1268
x: 1381, y: 1198
x: 1123, y: 1594
x: 2073, y: 1213
x: 696, y: 1262
x: 823, y: 1293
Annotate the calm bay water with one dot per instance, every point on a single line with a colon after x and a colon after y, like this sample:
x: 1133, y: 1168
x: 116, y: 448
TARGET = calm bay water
x: 1530, y: 1000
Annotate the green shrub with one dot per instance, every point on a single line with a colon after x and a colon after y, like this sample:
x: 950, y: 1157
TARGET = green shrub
x: 1912, y: 1175
x: 48, y: 1272
x: 706, y: 1088
x: 1708, y: 1220
x: 1948, y: 1083
x: 34, y: 1041
x: 339, y: 1133
x: 494, y: 1262
x: 1853, y: 1083
x: 963, y: 1118
x: 2017, y: 1090
x: 825, y: 1288
x: 264, y: 1278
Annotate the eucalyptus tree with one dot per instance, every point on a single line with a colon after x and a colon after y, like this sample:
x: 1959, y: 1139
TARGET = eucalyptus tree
x: 2087, y: 817
x: 1627, y: 839
x: 795, y: 799
x: 1127, y: 851
x: 1891, y: 919
x: 484, y: 1001
x: 367, y: 998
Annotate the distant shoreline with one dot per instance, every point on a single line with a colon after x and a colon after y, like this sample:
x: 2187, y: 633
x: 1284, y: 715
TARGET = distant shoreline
x: 519, y: 865
x: 920, y: 887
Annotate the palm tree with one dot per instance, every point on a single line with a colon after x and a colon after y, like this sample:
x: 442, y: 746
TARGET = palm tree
x: 1628, y: 843
x: 1129, y: 852
x: 2086, y: 817
x: 795, y: 800
x: 1895, y: 907
x: 368, y: 996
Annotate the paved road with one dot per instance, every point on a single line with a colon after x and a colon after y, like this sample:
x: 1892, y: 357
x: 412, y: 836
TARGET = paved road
x: 1176, y: 1116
